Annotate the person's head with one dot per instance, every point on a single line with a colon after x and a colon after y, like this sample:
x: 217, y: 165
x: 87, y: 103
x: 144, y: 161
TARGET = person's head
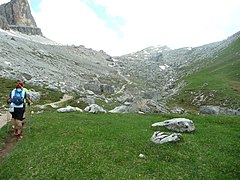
x: 18, y: 87
x: 21, y: 84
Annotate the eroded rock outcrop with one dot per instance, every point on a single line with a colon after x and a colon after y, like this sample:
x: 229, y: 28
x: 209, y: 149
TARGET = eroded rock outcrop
x: 177, y: 125
x: 3, y: 23
x: 17, y: 14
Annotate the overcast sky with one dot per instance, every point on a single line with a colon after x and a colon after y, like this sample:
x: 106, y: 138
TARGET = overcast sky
x: 124, y: 26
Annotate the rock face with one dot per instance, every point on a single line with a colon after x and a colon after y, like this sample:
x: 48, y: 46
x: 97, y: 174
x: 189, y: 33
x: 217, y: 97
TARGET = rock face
x: 27, y: 30
x: 18, y: 15
x: 3, y: 23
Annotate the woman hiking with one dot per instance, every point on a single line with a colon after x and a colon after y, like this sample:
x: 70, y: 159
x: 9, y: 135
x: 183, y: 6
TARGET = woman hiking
x: 16, y: 100
x: 24, y: 105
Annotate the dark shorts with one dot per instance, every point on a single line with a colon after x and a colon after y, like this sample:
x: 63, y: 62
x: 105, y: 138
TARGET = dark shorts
x: 24, y: 107
x: 18, y: 113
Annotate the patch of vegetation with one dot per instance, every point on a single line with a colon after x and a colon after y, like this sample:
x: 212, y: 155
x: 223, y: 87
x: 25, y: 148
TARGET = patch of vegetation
x: 6, y: 87
x: 107, y: 105
x: 216, y: 84
x: 107, y: 146
x: 75, y: 103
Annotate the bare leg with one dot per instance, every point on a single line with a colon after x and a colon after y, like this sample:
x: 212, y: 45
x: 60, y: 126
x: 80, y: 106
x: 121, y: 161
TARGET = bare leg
x: 19, y: 128
x: 15, y: 127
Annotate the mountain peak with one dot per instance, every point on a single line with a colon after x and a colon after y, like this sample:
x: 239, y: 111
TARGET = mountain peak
x: 17, y: 14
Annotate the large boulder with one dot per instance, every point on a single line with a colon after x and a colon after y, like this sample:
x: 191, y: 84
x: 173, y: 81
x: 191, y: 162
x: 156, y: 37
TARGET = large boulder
x: 209, y: 109
x: 69, y: 109
x: 177, y: 124
x: 161, y: 137
x: 125, y: 98
x: 99, y: 88
x: 229, y: 111
x: 107, y: 89
x: 219, y: 110
x: 94, y: 108
x: 120, y: 109
x: 139, y: 105
x: 34, y: 96
x: 88, y: 100
x: 149, y: 105
x: 93, y: 86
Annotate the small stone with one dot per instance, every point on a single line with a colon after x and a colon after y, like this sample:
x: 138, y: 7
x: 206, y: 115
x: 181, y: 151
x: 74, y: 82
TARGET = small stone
x: 141, y: 155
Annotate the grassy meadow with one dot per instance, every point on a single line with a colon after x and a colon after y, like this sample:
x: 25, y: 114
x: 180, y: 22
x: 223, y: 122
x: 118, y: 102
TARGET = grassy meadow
x: 218, y: 83
x: 107, y: 146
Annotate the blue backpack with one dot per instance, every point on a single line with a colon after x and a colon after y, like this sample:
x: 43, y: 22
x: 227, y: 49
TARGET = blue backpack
x: 17, y: 98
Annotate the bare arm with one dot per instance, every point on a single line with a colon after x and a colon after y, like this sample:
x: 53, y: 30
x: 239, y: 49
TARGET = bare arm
x: 8, y: 100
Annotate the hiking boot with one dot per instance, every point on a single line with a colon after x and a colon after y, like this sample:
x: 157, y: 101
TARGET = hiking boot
x: 19, y: 136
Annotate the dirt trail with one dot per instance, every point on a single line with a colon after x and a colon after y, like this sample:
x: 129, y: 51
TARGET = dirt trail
x: 55, y: 104
x: 10, y: 143
x: 11, y: 140
x: 123, y: 86
x: 4, y: 118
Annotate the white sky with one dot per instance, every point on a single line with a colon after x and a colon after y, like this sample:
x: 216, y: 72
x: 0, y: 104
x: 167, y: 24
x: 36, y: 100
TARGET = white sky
x: 131, y: 25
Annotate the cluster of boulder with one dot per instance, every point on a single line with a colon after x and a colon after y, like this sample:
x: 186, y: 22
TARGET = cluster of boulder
x: 217, y: 110
x: 175, y: 124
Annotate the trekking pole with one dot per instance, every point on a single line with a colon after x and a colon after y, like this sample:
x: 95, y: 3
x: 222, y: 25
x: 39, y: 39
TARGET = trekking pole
x: 7, y: 120
x: 29, y: 119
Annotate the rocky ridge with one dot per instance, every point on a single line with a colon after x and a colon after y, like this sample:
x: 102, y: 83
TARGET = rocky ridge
x: 140, y: 81
x: 158, y: 68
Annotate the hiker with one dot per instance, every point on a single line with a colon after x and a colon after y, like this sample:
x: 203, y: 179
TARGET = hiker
x: 16, y: 100
x: 24, y: 105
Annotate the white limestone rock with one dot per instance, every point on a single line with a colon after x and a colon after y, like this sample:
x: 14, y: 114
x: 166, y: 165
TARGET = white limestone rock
x: 160, y: 137
x: 120, y: 109
x: 69, y: 109
x: 94, y: 108
x: 177, y: 124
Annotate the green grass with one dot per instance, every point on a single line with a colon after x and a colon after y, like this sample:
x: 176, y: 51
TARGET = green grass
x: 4, y: 131
x: 222, y: 76
x: 106, y: 146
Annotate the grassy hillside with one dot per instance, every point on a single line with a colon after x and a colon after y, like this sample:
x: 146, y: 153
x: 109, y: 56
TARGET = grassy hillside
x: 217, y: 84
x: 107, y: 146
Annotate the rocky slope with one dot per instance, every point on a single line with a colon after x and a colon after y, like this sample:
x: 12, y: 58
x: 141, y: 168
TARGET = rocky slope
x: 39, y: 61
x: 159, y: 68
x: 141, y: 81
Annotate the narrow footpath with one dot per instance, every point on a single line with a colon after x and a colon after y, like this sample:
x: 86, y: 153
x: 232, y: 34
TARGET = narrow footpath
x: 11, y: 140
